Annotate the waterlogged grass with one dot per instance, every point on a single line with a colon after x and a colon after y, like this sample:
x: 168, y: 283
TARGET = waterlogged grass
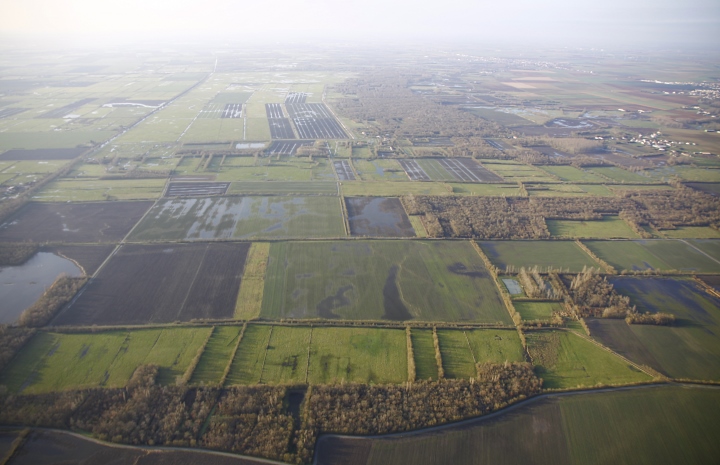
x: 424, y: 353
x: 657, y: 425
x: 529, y: 310
x: 607, y: 228
x: 246, y: 367
x: 55, y: 362
x: 653, y: 254
x: 279, y: 188
x: 395, y: 280
x: 566, y: 360
x: 216, y: 355
x: 543, y: 254
x: 393, y: 189
x: 363, y: 355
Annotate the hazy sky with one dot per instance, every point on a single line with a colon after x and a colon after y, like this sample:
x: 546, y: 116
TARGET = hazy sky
x: 575, y: 22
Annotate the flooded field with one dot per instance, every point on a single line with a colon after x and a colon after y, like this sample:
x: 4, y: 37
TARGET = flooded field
x: 21, y: 286
x: 378, y: 217
x: 242, y: 217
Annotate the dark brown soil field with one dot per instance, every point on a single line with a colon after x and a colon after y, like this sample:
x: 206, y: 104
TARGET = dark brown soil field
x: 56, y: 448
x: 617, y: 335
x: 89, y: 257
x: 161, y: 284
x: 66, y: 110
x: 232, y: 110
x: 712, y: 188
x: 43, y: 154
x: 378, y: 217
x: 73, y: 222
x: 194, y: 189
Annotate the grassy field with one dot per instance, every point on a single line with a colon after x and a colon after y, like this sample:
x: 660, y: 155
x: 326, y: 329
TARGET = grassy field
x: 690, y: 348
x: 572, y: 174
x: 565, y: 360
x: 252, y: 285
x: 710, y: 247
x: 691, y: 232
x: 457, y: 359
x: 607, y: 228
x: 393, y: 189
x: 495, y: 346
x: 379, y: 170
x: 216, y: 355
x: 653, y: 254
x: 283, y: 188
x: 424, y: 352
x: 418, y: 226
x: 529, y: 310
x: 95, y: 190
x: 55, y: 362
x: 623, y: 427
x: 543, y: 254
x: 246, y: 367
x: 361, y: 355
x: 286, y: 361
x: 620, y: 175
x: 495, y: 190
x: 243, y: 218
x: 396, y: 280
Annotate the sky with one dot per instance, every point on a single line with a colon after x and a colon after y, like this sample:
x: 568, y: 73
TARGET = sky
x: 569, y: 22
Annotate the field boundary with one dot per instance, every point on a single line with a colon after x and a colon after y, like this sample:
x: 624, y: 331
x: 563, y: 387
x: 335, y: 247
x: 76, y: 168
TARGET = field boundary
x: 232, y: 356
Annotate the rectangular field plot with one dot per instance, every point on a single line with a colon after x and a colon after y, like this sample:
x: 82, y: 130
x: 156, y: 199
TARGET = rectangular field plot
x: 424, y: 353
x: 343, y: 170
x: 392, y: 280
x: 453, y: 169
x: 609, y: 227
x: 414, y: 171
x: 91, y: 190
x: 495, y: 345
x: 572, y: 174
x: 242, y: 217
x: 360, y: 355
x: 315, y: 121
x: 195, y: 189
x: 73, y: 222
x: 653, y: 254
x: 246, y: 367
x: 55, y: 362
x: 688, y: 349
x: 216, y: 355
x: 457, y: 359
x: 710, y: 247
x: 287, y: 147
x: 543, y: 254
x: 161, y: 284
x: 691, y: 232
x: 566, y: 360
x: 286, y: 359
x: 43, y: 154
x: 516, y: 172
x: 379, y: 170
x: 283, y: 188
x: 378, y: 217
x: 620, y: 175
x: 530, y: 310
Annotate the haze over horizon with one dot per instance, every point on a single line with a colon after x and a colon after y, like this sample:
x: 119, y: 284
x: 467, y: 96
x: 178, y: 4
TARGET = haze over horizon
x: 613, y: 23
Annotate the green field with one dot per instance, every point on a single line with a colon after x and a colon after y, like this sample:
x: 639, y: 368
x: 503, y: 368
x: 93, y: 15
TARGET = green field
x: 216, y: 355
x: 690, y: 348
x: 379, y: 170
x: 95, y: 190
x: 620, y: 175
x: 424, y: 352
x: 283, y: 188
x: 572, y: 174
x: 710, y: 247
x: 246, y: 367
x: 653, y: 254
x: 55, y: 361
x: 363, y: 355
x: 530, y: 310
x: 655, y: 425
x: 566, y: 360
x: 395, y: 280
x: 543, y: 254
x: 691, y: 232
x: 242, y: 218
x: 609, y: 227
x: 457, y: 359
x: 495, y: 346
x: 286, y: 361
x: 393, y: 188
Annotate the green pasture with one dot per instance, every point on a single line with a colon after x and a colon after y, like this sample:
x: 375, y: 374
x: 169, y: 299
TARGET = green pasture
x: 607, y: 228
x: 396, y: 280
x: 653, y: 254
x: 563, y: 255
x: 532, y: 310
x: 95, y: 190
x: 216, y: 355
x: 424, y: 353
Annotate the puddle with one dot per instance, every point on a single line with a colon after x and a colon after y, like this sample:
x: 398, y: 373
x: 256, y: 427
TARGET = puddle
x: 395, y: 308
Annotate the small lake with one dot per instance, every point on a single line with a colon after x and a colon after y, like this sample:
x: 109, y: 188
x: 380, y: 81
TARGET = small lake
x: 513, y: 286
x: 21, y: 286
